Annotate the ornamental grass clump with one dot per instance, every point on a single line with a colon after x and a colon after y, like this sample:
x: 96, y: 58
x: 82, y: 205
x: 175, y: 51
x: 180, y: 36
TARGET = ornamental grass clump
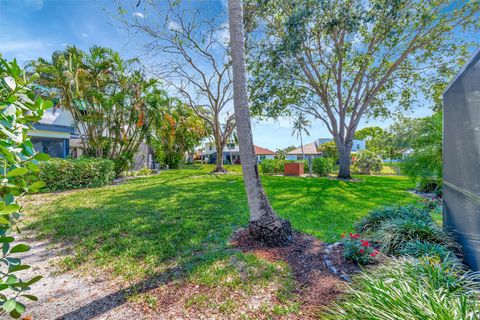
x: 393, y: 234
x: 357, y: 249
x: 393, y: 227
x: 419, y: 249
x: 409, y: 288
x: 377, y: 217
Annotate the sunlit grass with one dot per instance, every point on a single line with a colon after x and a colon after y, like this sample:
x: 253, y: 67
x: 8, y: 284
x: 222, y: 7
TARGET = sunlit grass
x: 182, y: 219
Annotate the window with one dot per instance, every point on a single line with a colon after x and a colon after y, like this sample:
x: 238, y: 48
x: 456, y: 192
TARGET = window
x: 210, y: 147
x: 54, y: 147
x: 231, y: 146
x: 358, y: 146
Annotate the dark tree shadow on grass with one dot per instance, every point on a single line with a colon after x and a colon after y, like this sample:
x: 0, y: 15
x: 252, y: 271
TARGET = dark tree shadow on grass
x: 186, y: 217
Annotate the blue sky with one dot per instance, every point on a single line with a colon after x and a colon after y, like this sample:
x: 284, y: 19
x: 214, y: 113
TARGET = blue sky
x: 35, y: 28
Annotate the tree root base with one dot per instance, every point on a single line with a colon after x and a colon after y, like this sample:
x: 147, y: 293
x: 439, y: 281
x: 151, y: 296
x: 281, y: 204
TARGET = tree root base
x: 272, y: 231
x: 221, y: 170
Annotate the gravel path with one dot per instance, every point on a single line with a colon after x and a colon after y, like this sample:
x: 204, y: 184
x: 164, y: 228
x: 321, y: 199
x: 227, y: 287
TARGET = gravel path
x: 68, y: 295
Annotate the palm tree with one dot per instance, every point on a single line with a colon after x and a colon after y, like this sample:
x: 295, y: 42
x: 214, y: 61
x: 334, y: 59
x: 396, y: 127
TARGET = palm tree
x: 300, y: 124
x: 264, y: 224
x: 107, y: 97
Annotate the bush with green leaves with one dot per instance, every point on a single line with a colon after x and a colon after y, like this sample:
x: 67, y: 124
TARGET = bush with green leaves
x: 357, y: 249
x: 272, y: 166
x: 393, y: 227
x: 419, y: 249
x: 366, y: 162
x: 65, y: 174
x: 19, y: 167
x: 429, y: 185
x: 409, y: 288
x: 393, y: 234
x: 377, y: 217
x: 322, y: 166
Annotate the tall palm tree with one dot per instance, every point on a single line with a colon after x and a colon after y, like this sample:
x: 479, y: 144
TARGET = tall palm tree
x: 300, y: 124
x: 264, y: 224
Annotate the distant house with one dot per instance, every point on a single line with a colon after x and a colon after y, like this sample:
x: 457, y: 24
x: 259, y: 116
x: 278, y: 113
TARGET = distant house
x: 56, y: 135
x: 231, y: 153
x: 52, y: 133
x: 311, y: 149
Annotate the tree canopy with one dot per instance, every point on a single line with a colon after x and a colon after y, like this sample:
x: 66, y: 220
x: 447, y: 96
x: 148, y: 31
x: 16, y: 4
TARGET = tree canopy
x: 343, y: 60
x: 107, y: 97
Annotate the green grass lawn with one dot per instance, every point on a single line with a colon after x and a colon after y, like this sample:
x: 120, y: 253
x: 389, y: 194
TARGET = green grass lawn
x: 183, y: 219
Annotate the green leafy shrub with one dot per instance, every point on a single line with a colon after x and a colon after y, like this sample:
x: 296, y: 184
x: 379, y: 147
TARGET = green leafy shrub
x: 19, y: 168
x: 329, y: 150
x: 65, y: 174
x: 411, y: 288
x: 272, y: 166
x: 357, y: 249
x: 393, y: 227
x: 424, y: 164
x: 322, y: 166
x: 430, y: 185
x: 395, y: 233
x: 419, y: 249
x: 375, y: 218
x: 366, y: 162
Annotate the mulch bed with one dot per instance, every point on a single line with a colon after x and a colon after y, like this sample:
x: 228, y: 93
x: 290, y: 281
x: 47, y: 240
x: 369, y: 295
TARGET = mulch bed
x: 317, y: 285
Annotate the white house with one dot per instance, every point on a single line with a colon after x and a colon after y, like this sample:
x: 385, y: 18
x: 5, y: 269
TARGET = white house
x: 231, y: 153
x: 56, y: 135
x: 311, y: 149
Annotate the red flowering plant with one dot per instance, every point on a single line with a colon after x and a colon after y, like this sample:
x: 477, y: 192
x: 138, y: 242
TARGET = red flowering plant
x: 357, y: 249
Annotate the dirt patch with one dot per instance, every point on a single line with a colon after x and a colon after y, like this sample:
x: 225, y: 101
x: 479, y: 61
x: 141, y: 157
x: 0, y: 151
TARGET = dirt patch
x: 68, y: 295
x: 71, y: 295
x: 317, y: 286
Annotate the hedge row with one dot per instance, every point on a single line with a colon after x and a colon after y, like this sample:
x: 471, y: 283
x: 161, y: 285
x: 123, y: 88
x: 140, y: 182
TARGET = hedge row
x: 65, y: 174
x: 320, y: 166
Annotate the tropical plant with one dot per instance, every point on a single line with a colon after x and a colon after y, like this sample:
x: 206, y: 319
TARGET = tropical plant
x: 19, y: 168
x: 419, y: 249
x: 322, y: 166
x: 367, y: 161
x: 409, y: 288
x: 377, y: 217
x: 301, y: 124
x: 394, y: 234
x: 341, y: 61
x: 264, y: 223
x: 106, y: 96
x: 197, y: 62
x: 176, y: 131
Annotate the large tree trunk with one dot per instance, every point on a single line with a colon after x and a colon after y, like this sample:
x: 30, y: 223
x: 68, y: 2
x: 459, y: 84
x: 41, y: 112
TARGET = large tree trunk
x: 264, y: 224
x: 219, y: 168
x: 345, y: 151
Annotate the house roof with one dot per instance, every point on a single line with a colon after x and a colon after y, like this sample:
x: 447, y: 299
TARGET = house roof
x: 310, y: 148
x: 263, y: 151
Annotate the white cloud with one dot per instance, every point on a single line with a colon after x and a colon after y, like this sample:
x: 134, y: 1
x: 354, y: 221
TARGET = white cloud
x: 84, y: 35
x: 138, y: 15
